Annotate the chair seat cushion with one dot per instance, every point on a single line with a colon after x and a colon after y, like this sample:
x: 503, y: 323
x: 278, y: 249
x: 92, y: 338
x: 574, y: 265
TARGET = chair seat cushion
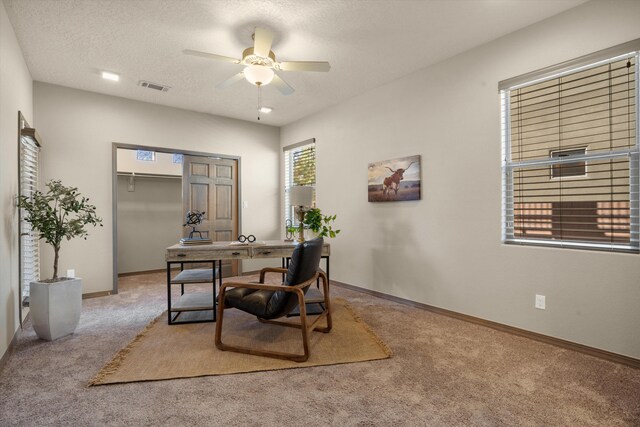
x: 252, y: 301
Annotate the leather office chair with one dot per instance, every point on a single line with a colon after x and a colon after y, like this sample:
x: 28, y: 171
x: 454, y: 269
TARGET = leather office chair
x: 268, y: 302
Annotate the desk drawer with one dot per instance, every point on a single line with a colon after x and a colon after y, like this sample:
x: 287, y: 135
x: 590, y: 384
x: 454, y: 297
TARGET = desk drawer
x: 272, y: 252
x: 192, y: 254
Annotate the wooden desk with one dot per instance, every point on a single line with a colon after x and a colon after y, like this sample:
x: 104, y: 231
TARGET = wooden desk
x: 215, y: 253
x: 223, y: 250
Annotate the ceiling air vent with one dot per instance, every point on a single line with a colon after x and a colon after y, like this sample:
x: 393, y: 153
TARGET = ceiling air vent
x: 154, y: 86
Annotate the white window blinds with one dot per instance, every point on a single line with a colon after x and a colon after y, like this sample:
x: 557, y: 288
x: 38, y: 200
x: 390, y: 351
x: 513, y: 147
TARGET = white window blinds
x: 299, y: 169
x: 29, y: 248
x: 570, y: 157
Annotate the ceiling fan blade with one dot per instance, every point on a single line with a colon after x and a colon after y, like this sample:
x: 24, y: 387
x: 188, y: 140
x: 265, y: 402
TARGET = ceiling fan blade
x: 230, y: 81
x: 262, y: 42
x: 304, y: 66
x: 210, y: 56
x: 281, y: 85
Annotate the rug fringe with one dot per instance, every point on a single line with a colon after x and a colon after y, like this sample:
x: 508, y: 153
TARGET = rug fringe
x: 115, y: 363
x: 366, y: 327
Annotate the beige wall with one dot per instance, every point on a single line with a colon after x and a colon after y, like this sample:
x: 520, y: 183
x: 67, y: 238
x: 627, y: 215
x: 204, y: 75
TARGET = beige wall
x: 445, y: 250
x: 80, y: 127
x: 149, y: 220
x: 15, y: 95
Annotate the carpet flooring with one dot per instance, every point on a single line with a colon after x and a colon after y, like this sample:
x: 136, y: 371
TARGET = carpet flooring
x: 444, y: 372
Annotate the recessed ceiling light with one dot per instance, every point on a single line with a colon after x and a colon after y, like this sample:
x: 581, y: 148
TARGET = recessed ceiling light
x: 110, y: 76
x: 266, y: 110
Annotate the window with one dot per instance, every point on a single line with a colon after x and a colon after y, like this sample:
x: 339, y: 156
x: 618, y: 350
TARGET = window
x: 178, y: 158
x: 146, y: 155
x: 299, y: 169
x: 570, y: 154
x: 29, y: 239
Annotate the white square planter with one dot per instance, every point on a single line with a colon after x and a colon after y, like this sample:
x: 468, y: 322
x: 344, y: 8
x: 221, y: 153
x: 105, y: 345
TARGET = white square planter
x: 55, y: 308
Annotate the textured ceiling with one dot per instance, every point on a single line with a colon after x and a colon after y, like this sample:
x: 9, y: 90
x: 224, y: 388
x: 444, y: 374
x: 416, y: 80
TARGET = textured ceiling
x: 368, y: 43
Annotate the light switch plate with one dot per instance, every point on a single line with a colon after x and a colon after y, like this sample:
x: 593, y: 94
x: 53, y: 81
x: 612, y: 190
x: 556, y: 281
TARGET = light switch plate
x: 245, y: 204
x: 541, y: 302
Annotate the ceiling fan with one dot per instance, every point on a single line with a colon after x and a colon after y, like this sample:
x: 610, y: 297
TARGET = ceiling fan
x: 260, y: 64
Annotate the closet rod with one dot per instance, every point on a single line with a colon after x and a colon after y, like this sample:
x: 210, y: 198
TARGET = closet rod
x: 149, y: 175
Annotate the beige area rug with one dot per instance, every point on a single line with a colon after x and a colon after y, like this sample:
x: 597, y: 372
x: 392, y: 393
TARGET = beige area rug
x: 162, y: 352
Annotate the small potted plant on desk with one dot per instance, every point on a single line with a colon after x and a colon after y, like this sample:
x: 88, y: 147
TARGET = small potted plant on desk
x: 318, y: 223
x: 60, y: 213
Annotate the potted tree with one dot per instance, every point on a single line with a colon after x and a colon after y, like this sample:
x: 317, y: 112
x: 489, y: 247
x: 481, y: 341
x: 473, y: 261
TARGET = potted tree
x: 60, y: 213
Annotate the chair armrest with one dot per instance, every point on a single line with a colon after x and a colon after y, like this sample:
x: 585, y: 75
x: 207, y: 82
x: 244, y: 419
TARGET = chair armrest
x: 266, y: 270
x: 257, y: 286
x: 268, y: 287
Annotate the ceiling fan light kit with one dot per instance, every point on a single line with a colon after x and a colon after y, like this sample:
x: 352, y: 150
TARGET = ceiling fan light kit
x: 258, y: 75
x: 260, y: 63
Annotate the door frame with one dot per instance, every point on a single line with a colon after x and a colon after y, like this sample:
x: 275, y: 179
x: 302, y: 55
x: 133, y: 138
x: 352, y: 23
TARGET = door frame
x: 114, y: 191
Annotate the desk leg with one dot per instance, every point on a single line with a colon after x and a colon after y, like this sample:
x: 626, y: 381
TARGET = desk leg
x: 328, y: 276
x: 169, y: 292
x: 214, y: 288
x: 326, y: 259
x: 182, y: 284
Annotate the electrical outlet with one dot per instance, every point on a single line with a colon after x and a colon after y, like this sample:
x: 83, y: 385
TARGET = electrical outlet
x: 540, y: 302
x: 71, y: 273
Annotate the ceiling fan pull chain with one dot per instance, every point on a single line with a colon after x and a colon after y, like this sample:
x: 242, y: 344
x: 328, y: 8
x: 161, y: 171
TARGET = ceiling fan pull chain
x: 259, y: 99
